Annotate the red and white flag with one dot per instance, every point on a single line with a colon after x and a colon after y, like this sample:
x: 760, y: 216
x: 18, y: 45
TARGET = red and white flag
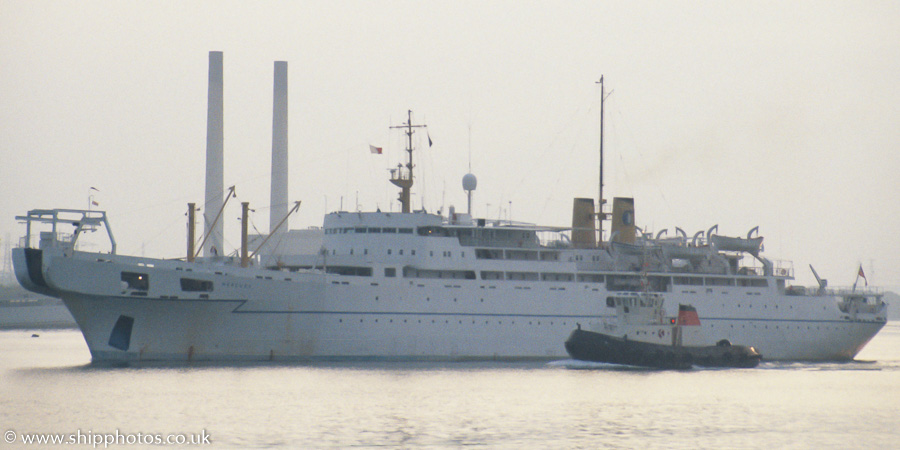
x: 862, y: 275
x: 374, y: 149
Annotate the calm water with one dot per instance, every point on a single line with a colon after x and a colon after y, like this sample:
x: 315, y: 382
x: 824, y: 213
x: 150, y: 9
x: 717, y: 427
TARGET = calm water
x: 48, y: 386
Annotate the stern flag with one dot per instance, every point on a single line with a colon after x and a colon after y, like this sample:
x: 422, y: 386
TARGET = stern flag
x: 429, y: 137
x: 374, y: 149
x: 862, y: 275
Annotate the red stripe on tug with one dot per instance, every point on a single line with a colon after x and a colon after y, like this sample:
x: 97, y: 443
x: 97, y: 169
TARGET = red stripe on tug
x: 687, y: 316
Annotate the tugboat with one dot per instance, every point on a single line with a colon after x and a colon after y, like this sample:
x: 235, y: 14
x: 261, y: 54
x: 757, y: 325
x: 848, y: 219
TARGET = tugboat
x: 643, y: 337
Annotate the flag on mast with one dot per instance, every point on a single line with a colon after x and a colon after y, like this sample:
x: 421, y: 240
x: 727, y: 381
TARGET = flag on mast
x: 862, y: 275
x: 374, y: 149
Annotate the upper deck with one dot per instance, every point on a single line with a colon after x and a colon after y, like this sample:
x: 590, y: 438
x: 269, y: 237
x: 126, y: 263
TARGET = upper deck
x: 375, y: 237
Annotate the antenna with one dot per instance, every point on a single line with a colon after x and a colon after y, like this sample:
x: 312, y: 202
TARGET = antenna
x: 469, y: 181
x: 470, y: 147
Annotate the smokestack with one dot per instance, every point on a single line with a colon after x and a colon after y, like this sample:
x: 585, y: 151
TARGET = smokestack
x: 584, y: 231
x: 279, y: 195
x: 215, y: 185
x: 623, y: 220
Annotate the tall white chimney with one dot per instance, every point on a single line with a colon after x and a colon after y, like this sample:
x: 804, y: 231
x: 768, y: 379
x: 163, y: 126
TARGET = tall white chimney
x: 215, y: 185
x: 279, y: 195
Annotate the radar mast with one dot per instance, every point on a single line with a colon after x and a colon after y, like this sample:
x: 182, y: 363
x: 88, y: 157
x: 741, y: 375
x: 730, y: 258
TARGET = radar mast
x: 601, y: 201
x: 404, y: 178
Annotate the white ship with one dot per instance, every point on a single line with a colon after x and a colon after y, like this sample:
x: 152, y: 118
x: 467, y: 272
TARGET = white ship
x: 418, y: 286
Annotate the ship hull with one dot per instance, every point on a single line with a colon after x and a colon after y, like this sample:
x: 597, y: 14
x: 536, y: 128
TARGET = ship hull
x: 254, y: 314
x: 197, y: 331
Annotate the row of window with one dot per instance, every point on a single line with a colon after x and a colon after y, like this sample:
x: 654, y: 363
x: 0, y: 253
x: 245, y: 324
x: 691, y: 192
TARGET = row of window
x: 517, y: 255
x: 469, y: 236
x: 141, y: 281
x: 614, y: 282
x: 445, y: 254
x: 457, y: 321
x: 720, y: 281
x: 368, y: 230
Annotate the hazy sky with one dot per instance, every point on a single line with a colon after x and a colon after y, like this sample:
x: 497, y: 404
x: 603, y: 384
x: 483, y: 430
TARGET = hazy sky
x: 784, y: 115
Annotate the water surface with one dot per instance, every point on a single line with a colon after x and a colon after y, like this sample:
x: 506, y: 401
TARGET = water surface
x: 47, y: 385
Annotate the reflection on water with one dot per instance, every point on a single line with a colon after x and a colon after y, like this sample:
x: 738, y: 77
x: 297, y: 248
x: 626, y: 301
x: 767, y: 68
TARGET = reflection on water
x: 48, y: 385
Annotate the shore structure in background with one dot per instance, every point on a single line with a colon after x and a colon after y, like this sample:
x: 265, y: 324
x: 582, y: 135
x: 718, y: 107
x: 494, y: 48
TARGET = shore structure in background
x: 278, y: 207
x: 215, y: 156
x: 413, y: 285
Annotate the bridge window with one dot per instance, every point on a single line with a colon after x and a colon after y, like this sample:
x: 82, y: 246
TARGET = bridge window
x: 432, y: 231
x: 689, y: 281
x: 350, y: 270
x: 192, y: 285
x: 720, y: 281
x: 485, y: 253
x: 552, y: 256
x: 139, y: 281
x: 753, y: 282
x: 522, y: 276
x: 556, y: 277
x: 591, y: 278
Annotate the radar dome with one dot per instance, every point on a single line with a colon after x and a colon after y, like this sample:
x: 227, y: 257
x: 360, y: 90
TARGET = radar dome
x: 469, y: 182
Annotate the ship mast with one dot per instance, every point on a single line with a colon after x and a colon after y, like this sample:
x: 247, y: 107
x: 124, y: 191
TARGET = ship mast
x: 404, y: 179
x: 601, y: 201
